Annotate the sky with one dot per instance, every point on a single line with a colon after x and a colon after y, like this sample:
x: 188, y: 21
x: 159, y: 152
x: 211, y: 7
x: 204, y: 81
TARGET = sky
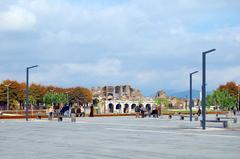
x: 149, y: 44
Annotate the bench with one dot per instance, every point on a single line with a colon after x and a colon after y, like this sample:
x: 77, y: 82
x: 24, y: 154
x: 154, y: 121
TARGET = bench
x: 233, y: 118
x: 225, y: 123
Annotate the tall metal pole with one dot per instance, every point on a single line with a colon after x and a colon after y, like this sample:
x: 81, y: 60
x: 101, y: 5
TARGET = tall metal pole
x: 204, y: 88
x: 27, y: 94
x: 191, y: 102
x: 27, y: 78
x: 190, y: 97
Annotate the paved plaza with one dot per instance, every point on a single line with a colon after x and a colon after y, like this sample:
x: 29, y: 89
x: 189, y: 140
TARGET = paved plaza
x: 117, y: 137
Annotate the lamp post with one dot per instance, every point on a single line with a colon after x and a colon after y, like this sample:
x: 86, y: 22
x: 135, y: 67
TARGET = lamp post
x: 191, y: 102
x: 204, y: 87
x: 27, y: 77
x: 8, y: 85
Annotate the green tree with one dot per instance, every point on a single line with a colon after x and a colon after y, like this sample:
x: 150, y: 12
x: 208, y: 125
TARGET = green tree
x: 223, y: 99
x: 210, y: 100
x: 162, y: 101
x: 32, y: 100
x: 55, y: 98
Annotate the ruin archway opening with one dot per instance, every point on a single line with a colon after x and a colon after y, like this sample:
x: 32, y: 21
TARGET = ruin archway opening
x: 133, y: 106
x: 110, y: 107
x: 148, y: 106
x: 126, y: 108
x: 118, y: 106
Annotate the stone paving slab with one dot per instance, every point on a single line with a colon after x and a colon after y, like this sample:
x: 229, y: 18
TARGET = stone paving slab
x: 116, y: 137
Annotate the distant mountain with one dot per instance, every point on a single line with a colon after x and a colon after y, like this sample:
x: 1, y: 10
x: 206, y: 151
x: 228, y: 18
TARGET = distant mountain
x: 183, y: 94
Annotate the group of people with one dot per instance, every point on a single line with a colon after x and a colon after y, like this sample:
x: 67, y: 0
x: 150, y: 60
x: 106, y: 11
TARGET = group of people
x: 142, y: 111
x: 73, y: 112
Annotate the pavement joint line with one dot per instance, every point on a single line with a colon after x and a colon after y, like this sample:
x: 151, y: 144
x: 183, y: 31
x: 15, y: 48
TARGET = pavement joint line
x: 117, y: 124
x: 167, y: 132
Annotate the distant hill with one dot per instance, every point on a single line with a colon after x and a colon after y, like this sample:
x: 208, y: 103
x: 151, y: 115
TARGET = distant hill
x: 183, y: 94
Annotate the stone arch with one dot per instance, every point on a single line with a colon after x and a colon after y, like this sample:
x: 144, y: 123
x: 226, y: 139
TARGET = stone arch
x: 147, y: 105
x: 118, y: 106
x: 126, y: 108
x: 133, y: 106
x: 110, y: 107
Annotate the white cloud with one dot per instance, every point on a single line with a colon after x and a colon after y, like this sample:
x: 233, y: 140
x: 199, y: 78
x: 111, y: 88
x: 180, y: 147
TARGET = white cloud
x: 146, y: 77
x: 16, y: 18
x: 103, y: 67
x: 151, y: 44
x: 86, y: 71
x: 217, y: 77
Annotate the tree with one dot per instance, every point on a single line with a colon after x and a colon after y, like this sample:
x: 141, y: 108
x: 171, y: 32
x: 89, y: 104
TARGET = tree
x: 80, y: 95
x: 37, y: 91
x: 210, y: 101
x: 223, y: 99
x: 39, y: 94
x: 231, y: 87
x: 55, y: 98
x: 32, y: 100
x: 162, y: 101
x: 16, y: 93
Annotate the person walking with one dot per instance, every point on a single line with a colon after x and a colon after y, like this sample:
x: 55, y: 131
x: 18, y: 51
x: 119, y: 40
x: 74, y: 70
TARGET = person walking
x: 50, y: 113
x: 154, y: 111
x: 137, y: 111
x: 199, y: 112
x: 78, y: 112
x: 73, y: 115
x: 91, y: 111
x: 142, y: 110
x: 159, y: 110
x: 149, y: 110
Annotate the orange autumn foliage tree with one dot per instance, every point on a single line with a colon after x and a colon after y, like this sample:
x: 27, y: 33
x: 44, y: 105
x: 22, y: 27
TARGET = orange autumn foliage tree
x: 17, y: 92
x: 231, y: 87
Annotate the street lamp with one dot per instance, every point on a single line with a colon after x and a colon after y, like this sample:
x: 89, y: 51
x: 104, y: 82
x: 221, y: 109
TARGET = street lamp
x: 191, y: 102
x: 204, y: 87
x: 27, y: 77
x: 8, y: 85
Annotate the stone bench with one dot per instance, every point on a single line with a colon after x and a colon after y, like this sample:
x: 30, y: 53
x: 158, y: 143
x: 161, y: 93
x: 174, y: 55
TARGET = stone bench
x: 232, y: 118
x: 224, y: 122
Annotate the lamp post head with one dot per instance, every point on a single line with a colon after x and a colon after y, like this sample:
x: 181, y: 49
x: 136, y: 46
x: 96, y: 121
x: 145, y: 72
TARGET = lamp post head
x: 193, y: 72
x: 206, y: 52
x: 32, y: 66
